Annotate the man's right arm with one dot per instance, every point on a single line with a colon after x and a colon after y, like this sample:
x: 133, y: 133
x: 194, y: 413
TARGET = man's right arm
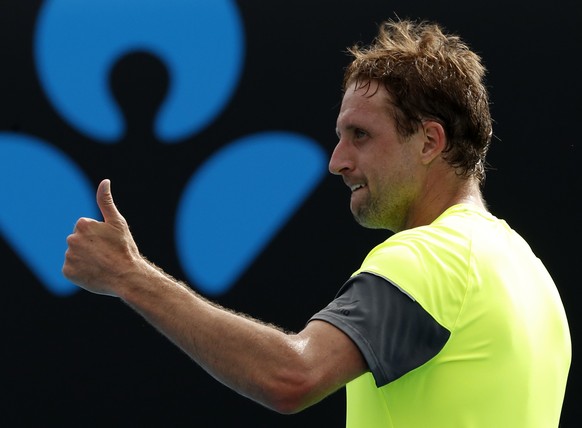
x: 285, y: 372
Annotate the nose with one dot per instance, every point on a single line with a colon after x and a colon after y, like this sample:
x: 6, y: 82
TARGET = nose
x: 340, y: 161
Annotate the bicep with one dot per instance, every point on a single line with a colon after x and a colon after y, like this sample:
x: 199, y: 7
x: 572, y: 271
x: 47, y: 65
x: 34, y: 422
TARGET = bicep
x: 334, y: 358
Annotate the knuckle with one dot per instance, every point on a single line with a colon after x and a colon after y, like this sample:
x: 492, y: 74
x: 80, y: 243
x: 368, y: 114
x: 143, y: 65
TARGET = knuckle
x: 82, y: 223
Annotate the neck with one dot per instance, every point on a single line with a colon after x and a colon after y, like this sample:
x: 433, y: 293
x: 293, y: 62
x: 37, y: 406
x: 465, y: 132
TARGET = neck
x: 437, y: 198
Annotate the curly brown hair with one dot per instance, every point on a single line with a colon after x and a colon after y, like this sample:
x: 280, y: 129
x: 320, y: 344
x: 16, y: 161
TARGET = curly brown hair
x: 430, y: 75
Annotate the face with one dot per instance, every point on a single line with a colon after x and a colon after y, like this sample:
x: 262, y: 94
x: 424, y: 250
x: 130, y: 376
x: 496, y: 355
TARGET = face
x: 380, y: 167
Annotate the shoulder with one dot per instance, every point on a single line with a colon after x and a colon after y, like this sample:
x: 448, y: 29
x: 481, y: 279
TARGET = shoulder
x: 431, y: 263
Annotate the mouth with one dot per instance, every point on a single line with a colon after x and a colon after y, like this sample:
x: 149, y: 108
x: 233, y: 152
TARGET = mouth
x: 356, y: 187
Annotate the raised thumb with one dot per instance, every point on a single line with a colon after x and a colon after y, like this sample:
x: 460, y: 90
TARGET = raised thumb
x: 106, y: 204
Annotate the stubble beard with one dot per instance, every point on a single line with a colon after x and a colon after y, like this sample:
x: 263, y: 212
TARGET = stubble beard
x: 379, y: 213
x: 369, y: 214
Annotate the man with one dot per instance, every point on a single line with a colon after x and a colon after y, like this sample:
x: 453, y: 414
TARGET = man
x: 451, y: 322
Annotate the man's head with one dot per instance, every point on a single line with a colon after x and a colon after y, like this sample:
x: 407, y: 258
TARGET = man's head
x: 430, y: 75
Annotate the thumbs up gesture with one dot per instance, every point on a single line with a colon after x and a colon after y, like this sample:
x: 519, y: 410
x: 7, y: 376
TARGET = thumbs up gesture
x: 101, y: 254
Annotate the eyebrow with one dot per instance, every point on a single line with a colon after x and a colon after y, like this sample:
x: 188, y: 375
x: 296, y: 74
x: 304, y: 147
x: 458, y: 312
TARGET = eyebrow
x: 349, y: 127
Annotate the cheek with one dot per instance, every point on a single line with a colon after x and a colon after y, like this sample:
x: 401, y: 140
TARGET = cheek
x: 395, y: 174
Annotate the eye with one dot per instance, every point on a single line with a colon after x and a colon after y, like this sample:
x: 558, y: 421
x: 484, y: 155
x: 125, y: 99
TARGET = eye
x: 359, y: 133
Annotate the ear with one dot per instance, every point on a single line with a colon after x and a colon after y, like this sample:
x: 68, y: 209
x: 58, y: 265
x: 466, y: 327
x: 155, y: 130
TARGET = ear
x: 434, y: 141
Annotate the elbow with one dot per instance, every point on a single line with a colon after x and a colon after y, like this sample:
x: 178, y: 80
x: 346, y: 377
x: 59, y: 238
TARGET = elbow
x: 292, y: 393
x: 288, y: 404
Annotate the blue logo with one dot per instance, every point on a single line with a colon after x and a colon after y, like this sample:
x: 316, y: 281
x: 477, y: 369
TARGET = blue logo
x: 225, y: 217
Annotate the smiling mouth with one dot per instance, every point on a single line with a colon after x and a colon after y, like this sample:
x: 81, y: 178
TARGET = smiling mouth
x: 356, y: 187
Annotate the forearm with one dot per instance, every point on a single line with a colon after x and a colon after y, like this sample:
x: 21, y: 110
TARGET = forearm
x: 285, y: 372
x: 256, y: 360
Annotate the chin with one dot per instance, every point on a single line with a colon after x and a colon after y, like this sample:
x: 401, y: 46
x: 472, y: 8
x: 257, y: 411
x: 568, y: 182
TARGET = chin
x: 370, y: 219
x: 367, y: 221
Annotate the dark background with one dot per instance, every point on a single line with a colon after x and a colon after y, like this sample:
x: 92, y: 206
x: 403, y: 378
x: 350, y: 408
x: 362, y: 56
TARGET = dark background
x: 87, y: 360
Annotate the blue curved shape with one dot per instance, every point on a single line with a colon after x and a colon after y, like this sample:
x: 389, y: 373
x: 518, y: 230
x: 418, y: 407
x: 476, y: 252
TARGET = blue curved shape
x: 78, y: 42
x: 237, y: 202
x: 42, y: 194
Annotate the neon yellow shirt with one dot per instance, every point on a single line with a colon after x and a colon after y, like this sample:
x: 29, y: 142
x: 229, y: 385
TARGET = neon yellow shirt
x: 506, y: 362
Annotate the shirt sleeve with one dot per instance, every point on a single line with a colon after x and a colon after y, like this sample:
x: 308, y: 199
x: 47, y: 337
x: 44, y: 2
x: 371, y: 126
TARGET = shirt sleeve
x: 393, y: 332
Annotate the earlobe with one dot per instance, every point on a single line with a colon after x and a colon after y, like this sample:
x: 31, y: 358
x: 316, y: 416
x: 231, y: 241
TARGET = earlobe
x: 434, y: 140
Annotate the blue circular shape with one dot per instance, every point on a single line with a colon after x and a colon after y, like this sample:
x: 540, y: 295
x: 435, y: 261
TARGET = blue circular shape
x: 78, y: 42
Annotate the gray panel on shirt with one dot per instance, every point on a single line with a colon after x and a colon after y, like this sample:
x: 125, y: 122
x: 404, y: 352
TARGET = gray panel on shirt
x: 393, y: 332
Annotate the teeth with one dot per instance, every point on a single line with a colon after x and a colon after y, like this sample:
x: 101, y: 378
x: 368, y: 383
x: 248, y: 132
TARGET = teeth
x: 356, y: 187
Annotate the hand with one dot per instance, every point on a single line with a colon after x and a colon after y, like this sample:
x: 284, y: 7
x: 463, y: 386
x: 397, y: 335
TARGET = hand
x: 101, y: 254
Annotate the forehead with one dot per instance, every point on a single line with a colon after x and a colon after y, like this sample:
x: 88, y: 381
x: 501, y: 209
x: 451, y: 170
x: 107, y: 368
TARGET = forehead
x: 360, y: 102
